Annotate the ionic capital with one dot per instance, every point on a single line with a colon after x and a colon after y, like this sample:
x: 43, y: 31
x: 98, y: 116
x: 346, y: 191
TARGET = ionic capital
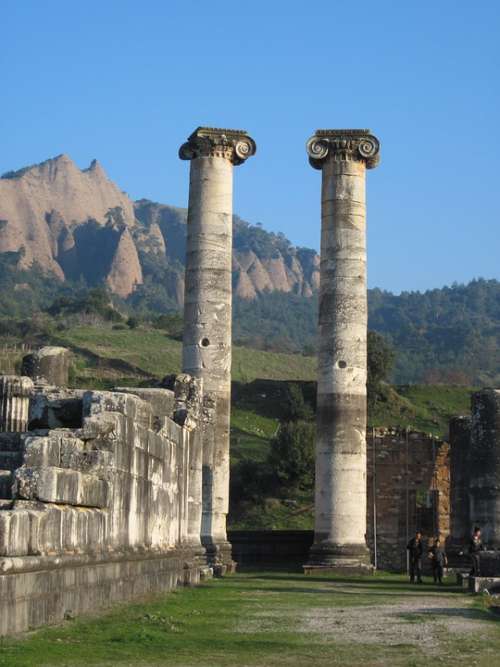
x: 234, y: 145
x: 343, y: 146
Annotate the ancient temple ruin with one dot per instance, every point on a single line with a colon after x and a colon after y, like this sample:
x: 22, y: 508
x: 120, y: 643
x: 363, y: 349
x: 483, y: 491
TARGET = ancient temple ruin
x: 106, y: 496
x: 100, y: 496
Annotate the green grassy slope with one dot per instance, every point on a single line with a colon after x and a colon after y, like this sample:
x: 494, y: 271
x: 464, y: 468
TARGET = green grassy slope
x: 150, y: 352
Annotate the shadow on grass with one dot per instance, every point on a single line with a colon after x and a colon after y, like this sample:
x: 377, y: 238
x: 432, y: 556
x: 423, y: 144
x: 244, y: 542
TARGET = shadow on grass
x: 469, y: 614
x: 371, y: 582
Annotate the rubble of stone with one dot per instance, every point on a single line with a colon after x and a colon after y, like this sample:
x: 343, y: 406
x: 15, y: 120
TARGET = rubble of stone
x: 100, y: 499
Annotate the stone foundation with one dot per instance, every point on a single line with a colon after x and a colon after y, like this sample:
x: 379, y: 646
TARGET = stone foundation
x: 63, y: 588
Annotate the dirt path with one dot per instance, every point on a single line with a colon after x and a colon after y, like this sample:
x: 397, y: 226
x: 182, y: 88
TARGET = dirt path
x: 419, y: 620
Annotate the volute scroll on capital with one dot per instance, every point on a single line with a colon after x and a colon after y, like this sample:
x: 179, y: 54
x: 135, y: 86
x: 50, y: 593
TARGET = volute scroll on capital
x: 234, y: 145
x: 343, y: 145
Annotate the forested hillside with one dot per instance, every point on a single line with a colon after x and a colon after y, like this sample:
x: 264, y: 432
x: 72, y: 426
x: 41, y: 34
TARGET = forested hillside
x: 67, y: 232
x: 449, y: 335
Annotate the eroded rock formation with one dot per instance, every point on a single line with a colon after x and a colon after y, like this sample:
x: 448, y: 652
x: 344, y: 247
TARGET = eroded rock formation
x: 75, y: 223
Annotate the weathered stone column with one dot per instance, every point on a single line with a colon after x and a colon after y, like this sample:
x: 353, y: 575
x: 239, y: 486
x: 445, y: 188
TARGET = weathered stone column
x: 484, y: 466
x: 49, y: 363
x: 340, y: 495
x: 15, y: 392
x: 207, y: 308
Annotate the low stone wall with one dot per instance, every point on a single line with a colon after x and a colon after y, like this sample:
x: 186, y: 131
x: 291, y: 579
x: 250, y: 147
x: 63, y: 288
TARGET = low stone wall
x: 58, y: 589
x: 271, y: 548
x: 106, y: 511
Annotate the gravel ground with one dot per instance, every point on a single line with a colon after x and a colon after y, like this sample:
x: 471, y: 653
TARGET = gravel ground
x: 417, y: 621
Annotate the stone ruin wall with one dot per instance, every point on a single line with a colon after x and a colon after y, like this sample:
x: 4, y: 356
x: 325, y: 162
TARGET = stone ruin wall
x: 101, y: 502
x: 475, y: 471
x: 412, y: 491
x: 412, y: 484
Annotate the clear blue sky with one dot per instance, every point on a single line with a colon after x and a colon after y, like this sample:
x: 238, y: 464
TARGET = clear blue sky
x: 126, y: 82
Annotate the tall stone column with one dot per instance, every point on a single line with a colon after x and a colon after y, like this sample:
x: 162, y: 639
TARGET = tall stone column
x: 207, y: 309
x: 340, y: 493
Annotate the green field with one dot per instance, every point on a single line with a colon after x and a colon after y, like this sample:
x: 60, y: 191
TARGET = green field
x: 104, y: 355
x: 277, y: 618
x: 150, y: 352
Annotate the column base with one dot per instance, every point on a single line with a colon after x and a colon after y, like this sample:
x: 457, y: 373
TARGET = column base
x: 219, y: 556
x: 344, y: 559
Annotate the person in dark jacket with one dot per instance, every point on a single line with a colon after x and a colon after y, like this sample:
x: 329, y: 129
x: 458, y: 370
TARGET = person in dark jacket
x: 438, y: 560
x: 475, y: 548
x: 416, y: 550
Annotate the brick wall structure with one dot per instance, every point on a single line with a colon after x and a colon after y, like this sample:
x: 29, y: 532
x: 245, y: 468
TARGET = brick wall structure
x: 408, y: 484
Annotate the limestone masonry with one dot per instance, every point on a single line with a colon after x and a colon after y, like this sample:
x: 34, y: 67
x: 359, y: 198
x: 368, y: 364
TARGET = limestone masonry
x: 100, y: 500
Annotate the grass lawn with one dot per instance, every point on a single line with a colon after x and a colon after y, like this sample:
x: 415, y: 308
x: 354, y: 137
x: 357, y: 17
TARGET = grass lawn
x: 277, y: 618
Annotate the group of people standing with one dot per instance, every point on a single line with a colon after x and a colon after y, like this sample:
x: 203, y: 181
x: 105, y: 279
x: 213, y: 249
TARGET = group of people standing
x: 437, y: 556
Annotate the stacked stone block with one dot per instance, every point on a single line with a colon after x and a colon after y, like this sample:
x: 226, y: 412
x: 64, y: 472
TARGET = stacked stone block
x: 48, y: 364
x: 104, y: 511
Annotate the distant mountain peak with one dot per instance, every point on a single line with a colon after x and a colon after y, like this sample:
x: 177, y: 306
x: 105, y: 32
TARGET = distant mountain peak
x: 77, y: 222
x: 95, y: 168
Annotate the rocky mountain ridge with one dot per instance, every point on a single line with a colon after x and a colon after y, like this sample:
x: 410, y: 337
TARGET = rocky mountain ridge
x: 78, y: 224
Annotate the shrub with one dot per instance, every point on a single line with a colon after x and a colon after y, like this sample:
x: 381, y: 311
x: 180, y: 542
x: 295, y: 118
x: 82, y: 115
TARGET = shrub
x: 292, y: 455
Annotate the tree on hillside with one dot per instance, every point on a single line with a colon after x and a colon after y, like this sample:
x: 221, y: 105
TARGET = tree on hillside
x: 295, y: 408
x: 95, y: 302
x: 380, y: 362
x: 292, y: 455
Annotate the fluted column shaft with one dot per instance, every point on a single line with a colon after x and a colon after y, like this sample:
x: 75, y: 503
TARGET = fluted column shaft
x: 208, y: 309
x: 15, y: 392
x: 340, y: 488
